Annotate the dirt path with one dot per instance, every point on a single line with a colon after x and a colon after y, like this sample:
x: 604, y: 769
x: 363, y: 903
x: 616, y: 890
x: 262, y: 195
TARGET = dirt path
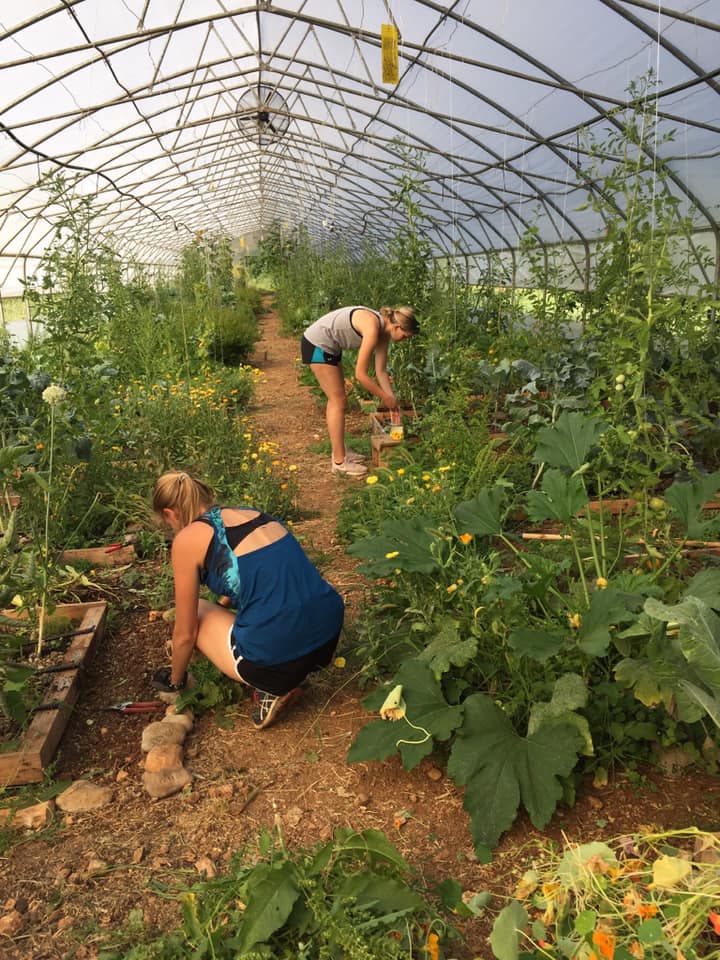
x: 291, y: 416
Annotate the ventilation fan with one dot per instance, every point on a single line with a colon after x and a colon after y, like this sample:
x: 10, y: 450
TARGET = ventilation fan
x: 262, y: 115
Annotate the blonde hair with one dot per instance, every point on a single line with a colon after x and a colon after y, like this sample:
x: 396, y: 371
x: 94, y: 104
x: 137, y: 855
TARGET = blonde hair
x: 404, y: 317
x: 179, y: 491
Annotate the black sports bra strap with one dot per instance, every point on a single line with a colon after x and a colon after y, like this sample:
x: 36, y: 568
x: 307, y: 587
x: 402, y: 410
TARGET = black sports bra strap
x: 240, y: 531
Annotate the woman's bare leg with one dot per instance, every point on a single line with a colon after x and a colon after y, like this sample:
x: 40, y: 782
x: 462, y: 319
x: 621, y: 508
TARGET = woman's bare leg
x: 332, y: 383
x: 214, y: 623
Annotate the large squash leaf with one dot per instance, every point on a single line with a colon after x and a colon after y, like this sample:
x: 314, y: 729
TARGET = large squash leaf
x: 568, y: 442
x: 405, y: 545
x: 448, y: 648
x: 560, y: 498
x: 698, y: 638
x: 428, y: 717
x: 607, y: 608
x: 569, y: 694
x: 500, y: 769
x: 484, y: 514
x: 536, y: 643
x: 705, y: 585
x: 687, y: 501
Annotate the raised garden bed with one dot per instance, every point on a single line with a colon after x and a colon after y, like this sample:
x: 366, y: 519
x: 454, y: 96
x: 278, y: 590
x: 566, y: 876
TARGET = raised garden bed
x: 39, y: 741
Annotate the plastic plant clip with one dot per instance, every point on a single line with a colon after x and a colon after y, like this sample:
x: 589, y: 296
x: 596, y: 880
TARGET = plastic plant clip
x: 394, y: 706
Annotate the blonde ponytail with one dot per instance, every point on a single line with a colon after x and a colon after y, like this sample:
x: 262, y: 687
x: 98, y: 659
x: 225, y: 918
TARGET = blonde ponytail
x: 183, y: 493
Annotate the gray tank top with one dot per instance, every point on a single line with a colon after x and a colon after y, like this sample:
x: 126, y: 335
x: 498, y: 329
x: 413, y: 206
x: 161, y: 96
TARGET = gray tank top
x: 334, y: 332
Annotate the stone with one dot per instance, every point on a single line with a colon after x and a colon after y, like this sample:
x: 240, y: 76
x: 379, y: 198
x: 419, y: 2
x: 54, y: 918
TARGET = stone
x: 164, y: 783
x: 34, y: 817
x: 161, y: 732
x: 166, y: 756
x: 185, y: 720
x: 83, y: 796
x: 206, y: 867
x: 11, y: 923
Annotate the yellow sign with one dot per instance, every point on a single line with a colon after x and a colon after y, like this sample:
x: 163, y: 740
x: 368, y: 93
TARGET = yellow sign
x: 389, y: 47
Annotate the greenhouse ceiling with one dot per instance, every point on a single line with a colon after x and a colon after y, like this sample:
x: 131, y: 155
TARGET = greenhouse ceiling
x: 187, y: 116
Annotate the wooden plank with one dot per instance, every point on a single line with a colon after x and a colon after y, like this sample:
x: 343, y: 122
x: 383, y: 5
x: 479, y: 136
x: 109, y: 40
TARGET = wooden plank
x: 39, y: 742
x: 112, y: 556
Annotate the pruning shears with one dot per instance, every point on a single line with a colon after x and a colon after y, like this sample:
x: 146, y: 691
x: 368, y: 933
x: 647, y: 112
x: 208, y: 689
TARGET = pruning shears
x: 137, y: 706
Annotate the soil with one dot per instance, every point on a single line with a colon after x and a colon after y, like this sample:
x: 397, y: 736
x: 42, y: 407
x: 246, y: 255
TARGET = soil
x: 292, y: 776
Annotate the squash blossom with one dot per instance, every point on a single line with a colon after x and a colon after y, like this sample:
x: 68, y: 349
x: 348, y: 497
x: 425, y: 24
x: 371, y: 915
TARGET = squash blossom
x: 575, y: 620
x: 601, y: 583
x: 394, y: 706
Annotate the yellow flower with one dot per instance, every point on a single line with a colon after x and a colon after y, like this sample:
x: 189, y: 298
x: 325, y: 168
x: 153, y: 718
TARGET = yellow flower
x: 410, y: 500
x: 392, y: 554
x: 17, y: 600
x: 465, y: 538
x: 436, y: 488
x: 601, y: 583
x: 340, y: 662
x: 371, y: 479
x: 426, y: 477
x: 444, y: 469
x: 401, y: 471
x: 575, y: 620
x: 292, y: 467
x: 39, y: 446
x: 452, y: 588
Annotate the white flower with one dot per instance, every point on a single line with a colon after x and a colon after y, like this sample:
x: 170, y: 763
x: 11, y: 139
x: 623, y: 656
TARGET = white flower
x: 54, y: 394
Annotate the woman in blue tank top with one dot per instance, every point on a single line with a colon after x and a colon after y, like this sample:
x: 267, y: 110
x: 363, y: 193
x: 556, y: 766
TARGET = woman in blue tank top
x: 287, y: 619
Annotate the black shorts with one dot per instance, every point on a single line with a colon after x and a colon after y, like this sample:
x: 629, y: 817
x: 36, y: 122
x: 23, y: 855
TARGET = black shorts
x: 281, y: 678
x: 309, y: 353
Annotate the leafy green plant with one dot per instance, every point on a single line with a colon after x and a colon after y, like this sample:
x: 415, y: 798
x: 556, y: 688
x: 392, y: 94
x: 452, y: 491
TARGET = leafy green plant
x: 354, y: 897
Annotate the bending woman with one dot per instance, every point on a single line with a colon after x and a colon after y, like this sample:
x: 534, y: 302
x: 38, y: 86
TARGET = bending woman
x: 287, y: 620
x: 370, y: 332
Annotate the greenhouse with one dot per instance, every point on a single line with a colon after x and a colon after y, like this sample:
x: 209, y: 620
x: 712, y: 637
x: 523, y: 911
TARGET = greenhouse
x: 360, y: 480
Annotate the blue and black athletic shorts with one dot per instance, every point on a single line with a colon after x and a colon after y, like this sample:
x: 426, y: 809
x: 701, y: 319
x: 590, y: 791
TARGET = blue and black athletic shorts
x: 309, y: 353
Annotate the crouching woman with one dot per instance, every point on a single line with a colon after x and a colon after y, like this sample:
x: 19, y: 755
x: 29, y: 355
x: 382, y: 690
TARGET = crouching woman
x: 287, y: 618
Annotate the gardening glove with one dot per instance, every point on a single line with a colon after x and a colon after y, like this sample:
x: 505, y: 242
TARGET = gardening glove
x: 162, y: 681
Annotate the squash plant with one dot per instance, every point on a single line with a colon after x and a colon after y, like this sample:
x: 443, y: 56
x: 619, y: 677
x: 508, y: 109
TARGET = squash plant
x: 520, y: 631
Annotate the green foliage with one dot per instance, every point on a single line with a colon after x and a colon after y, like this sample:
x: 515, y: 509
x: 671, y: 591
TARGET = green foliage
x: 354, y: 897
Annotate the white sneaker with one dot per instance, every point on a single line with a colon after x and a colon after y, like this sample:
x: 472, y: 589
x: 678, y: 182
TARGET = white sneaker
x: 353, y: 457
x: 350, y: 468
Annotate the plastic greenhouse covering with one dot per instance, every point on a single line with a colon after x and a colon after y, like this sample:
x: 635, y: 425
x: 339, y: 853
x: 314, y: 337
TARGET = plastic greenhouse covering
x: 179, y: 116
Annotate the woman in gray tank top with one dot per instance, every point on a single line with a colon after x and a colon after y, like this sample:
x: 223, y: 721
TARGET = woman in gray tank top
x: 370, y: 332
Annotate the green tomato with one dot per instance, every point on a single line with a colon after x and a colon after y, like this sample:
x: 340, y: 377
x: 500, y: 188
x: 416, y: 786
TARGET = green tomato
x: 620, y: 378
x: 619, y: 387
x: 656, y: 503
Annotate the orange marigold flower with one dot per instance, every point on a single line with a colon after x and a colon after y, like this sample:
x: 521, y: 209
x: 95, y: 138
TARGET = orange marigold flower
x: 647, y: 910
x: 714, y: 918
x: 605, y: 942
x: 433, y: 946
x: 465, y: 538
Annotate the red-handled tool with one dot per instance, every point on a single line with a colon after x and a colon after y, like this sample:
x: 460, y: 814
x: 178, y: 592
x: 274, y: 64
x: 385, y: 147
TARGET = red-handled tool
x: 137, y: 706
